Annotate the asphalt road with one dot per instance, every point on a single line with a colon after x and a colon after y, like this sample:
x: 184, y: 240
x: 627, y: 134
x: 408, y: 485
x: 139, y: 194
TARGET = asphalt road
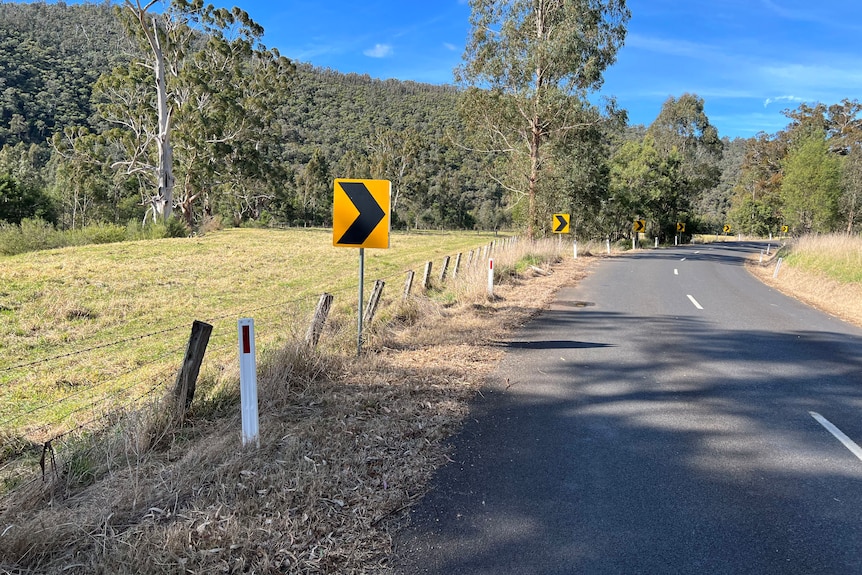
x: 658, y: 419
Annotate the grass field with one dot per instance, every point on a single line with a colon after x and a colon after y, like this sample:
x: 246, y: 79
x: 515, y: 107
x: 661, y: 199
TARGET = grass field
x: 86, y: 329
x: 346, y: 443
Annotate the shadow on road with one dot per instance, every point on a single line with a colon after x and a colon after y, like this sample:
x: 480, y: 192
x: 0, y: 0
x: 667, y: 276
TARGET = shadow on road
x: 645, y: 450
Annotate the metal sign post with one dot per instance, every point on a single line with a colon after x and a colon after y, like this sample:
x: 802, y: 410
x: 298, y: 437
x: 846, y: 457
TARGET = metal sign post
x: 361, y: 298
x: 361, y: 219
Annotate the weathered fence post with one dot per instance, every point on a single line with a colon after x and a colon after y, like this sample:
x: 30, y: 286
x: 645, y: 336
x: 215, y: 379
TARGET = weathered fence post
x: 312, y: 336
x: 426, y: 278
x: 374, y: 300
x: 444, y: 269
x: 408, y: 285
x: 187, y: 378
x: 457, y: 265
x: 470, y: 258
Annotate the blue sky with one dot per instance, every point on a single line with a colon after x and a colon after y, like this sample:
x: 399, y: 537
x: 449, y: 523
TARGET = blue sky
x: 748, y: 59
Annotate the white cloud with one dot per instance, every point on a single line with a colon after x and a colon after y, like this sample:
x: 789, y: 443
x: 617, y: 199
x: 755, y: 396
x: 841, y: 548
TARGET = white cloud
x: 450, y: 47
x: 379, y: 51
x: 769, y: 101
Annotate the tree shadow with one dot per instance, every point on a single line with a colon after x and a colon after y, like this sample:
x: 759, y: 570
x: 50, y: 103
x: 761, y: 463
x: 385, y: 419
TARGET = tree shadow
x: 652, y: 454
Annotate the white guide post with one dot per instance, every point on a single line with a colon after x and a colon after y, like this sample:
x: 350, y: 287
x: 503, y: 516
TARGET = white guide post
x: 491, y: 277
x: 248, y: 383
x: 576, y: 249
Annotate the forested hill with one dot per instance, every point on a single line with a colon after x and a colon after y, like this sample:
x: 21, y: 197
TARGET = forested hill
x: 50, y: 56
x: 257, y: 137
x: 328, y: 125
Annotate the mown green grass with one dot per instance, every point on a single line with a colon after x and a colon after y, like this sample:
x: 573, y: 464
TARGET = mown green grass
x: 62, y: 311
x: 837, y: 256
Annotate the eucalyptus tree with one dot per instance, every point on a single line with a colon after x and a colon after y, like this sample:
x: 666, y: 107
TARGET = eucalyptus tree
x: 529, y: 66
x: 756, y: 203
x: 683, y: 126
x: 200, y: 85
x: 811, y: 187
x: 647, y: 183
x: 393, y: 154
x: 851, y: 199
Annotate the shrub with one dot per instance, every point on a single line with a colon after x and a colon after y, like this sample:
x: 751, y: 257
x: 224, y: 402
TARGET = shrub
x: 31, y: 235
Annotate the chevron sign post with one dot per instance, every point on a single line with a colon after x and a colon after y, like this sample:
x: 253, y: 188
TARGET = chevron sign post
x: 361, y: 219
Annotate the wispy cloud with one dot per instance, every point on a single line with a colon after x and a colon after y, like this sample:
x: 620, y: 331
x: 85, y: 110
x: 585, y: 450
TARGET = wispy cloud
x: 671, y: 47
x: 379, y: 51
x: 450, y: 47
x: 769, y: 101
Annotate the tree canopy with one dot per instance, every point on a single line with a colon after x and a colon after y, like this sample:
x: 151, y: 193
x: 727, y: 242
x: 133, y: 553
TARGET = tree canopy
x: 529, y: 65
x: 254, y: 138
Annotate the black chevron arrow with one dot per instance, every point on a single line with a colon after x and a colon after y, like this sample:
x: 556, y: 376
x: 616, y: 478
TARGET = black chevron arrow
x: 370, y: 213
x: 561, y: 223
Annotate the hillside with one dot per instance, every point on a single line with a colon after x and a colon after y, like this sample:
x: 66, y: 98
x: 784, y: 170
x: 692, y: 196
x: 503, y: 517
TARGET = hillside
x: 326, y: 125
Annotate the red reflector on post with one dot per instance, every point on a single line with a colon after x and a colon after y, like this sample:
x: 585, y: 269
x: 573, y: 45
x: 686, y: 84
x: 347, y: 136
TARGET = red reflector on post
x: 246, y: 339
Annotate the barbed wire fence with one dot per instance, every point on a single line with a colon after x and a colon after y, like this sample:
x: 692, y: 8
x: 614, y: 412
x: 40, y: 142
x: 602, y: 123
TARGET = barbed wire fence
x: 94, y: 387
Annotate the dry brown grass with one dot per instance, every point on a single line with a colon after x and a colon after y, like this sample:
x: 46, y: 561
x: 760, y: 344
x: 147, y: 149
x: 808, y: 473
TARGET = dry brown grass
x: 346, y: 444
x: 816, y: 288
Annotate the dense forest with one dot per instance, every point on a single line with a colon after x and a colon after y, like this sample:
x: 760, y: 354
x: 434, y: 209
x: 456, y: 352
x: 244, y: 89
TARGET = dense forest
x: 256, y: 138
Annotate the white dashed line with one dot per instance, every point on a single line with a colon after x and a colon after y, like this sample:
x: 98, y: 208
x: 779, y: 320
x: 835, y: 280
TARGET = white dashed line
x: 676, y: 272
x: 839, y: 435
x: 694, y: 301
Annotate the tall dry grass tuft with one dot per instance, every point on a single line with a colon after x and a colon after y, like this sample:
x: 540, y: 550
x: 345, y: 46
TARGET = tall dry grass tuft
x: 824, y: 271
x: 510, y: 262
x: 837, y: 255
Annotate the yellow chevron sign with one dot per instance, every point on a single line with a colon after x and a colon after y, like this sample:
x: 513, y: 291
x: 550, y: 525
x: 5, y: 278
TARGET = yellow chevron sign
x: 560, y: 224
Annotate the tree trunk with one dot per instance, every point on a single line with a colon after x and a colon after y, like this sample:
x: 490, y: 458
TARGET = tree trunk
x: 163, y: 138
x: 535, y: 143
x: 162, y: 202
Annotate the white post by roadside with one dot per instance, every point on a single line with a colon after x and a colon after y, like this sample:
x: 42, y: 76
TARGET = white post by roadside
x: 491, y: 277
x: 248, y: 383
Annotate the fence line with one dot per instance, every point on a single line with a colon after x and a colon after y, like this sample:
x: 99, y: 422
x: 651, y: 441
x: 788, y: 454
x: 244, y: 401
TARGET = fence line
x: 162, y: 375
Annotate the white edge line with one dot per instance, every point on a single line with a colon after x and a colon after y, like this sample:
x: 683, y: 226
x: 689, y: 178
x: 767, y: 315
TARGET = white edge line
x: 694, y: 301
x: 839, y: 435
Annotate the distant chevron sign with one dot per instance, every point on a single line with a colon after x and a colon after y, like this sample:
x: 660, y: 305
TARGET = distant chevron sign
x: 360, y: 213
x: 561, y: 223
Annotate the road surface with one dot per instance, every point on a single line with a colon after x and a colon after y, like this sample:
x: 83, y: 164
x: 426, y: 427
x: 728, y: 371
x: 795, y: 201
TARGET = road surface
x: 670, y: 414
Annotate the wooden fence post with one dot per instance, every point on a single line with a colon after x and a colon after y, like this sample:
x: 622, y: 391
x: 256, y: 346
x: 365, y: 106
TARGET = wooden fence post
x: 426, y: 278
x: 374, y: 300
x: 457, y: 265
x: 470, y: 258
x: 444, y: 269
x: 187, y: 378
x: 315, y: 330
x: 408, y: 285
